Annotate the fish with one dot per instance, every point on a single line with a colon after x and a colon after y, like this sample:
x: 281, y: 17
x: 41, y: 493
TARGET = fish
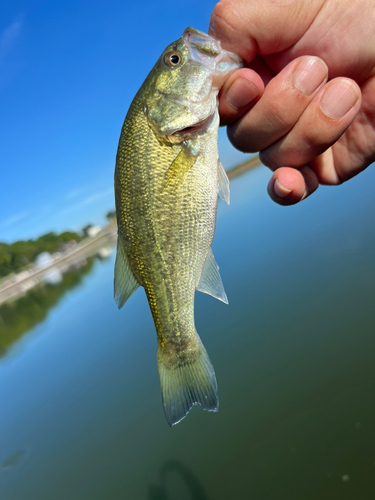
x: 168, y: 177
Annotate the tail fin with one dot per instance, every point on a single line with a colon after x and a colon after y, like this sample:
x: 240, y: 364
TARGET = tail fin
x: 186, y: 380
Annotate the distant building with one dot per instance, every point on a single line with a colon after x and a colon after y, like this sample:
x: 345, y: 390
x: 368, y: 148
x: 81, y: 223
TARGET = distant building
x: 93, y: 231
x: 52, y: 276
x: 105, y: 252
x: 44, y: 259
x: 65, y: 247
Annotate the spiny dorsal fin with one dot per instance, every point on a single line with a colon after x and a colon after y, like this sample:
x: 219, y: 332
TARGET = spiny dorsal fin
x: 223, y: 183
x: 125, y: 282
x: 179, y: 169
x: 210, y: 281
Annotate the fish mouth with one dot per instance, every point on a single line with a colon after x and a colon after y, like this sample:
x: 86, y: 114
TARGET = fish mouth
x: 194, y: 129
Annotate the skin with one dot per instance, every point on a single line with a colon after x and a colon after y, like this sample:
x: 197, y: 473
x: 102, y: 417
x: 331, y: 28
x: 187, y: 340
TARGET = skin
x: 306, y: 99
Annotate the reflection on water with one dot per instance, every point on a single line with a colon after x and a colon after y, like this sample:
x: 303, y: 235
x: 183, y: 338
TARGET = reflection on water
x: 53, y: 276
x: 19, y: 316
x: 29, y: 304
x: 186, y: 487
x: 15, y: 459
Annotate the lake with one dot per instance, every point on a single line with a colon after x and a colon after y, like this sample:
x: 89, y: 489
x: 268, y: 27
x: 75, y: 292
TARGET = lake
x: 81, y: 415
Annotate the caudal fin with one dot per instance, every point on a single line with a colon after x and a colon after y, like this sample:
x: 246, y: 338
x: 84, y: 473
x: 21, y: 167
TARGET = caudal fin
x: 186, y: 380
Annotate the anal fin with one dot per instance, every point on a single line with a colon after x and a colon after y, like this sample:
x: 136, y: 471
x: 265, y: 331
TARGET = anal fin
x: 125, y: 282
x: 210, y: 281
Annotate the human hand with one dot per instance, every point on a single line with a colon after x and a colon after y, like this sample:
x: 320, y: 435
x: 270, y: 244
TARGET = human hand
x: 306, y: 99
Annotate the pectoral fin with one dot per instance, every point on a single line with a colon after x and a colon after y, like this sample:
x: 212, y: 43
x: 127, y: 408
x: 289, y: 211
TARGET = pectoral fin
x: 125, y: 282
x: 223, y: 183
x: 210, y: 281
x: 179, y: 169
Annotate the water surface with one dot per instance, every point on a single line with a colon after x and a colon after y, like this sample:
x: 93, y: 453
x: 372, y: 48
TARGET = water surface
x: 81, y: 415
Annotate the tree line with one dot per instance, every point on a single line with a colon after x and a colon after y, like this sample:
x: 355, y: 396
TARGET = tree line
x: 15, y: 256
x: 19, y: 316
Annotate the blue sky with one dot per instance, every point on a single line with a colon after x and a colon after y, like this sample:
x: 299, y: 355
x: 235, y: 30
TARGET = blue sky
x: 68, y: 72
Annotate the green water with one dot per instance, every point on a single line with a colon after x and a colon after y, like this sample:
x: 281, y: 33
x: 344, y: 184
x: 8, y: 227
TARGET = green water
x: 81, y: 416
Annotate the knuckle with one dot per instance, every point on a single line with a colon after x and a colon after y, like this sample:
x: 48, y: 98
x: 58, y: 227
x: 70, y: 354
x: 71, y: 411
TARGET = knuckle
x: 220, y: 16
x: 241, y: 139
x: 270, y: 160
x: 314, y: 143
x: 281, y: 116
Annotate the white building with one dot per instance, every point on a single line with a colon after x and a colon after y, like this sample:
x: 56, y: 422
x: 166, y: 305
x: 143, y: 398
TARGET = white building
x: 93, y: 231
x: 44, y: 259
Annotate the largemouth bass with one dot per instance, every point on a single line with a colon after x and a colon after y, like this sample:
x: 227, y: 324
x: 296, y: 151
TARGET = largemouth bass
x: 167, y: 180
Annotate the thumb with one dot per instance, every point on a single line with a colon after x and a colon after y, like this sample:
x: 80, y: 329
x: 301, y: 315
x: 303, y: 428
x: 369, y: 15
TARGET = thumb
x: 260, y: 26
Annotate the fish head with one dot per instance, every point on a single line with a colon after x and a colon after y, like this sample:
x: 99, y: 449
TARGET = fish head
x: 182, y: 88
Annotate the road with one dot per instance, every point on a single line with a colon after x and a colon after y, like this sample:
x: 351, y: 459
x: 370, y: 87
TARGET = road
x: 11, y: 289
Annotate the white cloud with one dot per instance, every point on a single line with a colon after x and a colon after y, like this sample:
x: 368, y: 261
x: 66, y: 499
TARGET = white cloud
x: 87, y: 201
x: 74, y: 193
x: 10, y: 221
x: 8, y: 39
x: 95, y: 196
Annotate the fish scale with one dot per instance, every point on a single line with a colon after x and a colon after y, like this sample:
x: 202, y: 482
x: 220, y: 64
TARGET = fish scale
x: 167, y: 180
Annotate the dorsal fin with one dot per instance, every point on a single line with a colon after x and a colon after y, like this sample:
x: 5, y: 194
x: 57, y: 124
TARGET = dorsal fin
x: 210, y: 281
x: 125, y: 282
x: 223, y: 183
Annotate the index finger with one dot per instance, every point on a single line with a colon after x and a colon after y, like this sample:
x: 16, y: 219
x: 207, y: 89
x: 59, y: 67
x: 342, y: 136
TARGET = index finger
x: 238, y: 94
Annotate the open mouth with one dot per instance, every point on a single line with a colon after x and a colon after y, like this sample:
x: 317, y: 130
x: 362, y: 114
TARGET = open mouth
x: 200, y: 126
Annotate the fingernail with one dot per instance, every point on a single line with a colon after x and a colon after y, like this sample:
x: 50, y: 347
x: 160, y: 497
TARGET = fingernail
x: 280, y: 190
x: 309, y: 74
x: 241, y: 93
x: 339, y: 98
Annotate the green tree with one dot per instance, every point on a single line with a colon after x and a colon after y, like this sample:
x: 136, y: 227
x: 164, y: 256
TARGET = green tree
x: 111, y: 215
x: 15, y: 256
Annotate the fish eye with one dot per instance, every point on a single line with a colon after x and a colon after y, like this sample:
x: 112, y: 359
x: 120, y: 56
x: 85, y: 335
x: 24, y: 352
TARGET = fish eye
x: 172, y: 59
